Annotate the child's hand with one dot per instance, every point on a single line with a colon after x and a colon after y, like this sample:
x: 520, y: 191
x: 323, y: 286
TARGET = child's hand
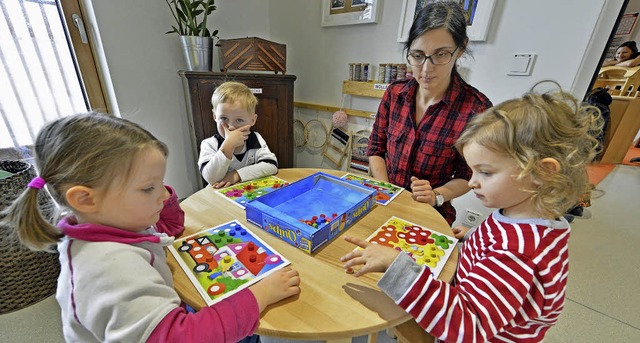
x: 275, y: 287
x: 236, y: 138
x: 231, y: 178
x: 460, y: 231
x: 422, y: 191
x: 373, y: 257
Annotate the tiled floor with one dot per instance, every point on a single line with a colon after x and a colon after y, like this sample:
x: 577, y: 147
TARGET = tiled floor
x: 603, y: 296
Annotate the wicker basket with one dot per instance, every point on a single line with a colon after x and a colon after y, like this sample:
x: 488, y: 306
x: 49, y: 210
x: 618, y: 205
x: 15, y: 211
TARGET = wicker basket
x: 26, y: 276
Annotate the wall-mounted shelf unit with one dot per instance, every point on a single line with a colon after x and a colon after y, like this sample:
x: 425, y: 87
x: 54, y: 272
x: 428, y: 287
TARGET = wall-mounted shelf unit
x: 357, y: 88
x: 325, y: 108
x: 369, y: 89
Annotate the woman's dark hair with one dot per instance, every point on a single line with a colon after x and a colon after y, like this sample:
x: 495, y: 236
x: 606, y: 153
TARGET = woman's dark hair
x: 629, y: 44
x: 440, y: 14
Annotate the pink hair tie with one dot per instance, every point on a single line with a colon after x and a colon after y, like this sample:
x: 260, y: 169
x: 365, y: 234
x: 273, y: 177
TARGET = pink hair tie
x: 37, y: 183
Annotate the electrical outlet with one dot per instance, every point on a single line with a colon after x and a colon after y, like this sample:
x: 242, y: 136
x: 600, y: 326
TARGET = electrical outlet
x: 471, y: 218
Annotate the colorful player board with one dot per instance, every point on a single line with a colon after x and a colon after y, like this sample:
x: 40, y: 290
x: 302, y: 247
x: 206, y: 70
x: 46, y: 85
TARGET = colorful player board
x: 240, y: 194
x: 385, y: 190
x: 425, y: 246
x: 222, y: 260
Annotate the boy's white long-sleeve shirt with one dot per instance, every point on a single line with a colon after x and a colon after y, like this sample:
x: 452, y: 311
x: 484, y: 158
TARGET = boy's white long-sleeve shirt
x: 255, y: 162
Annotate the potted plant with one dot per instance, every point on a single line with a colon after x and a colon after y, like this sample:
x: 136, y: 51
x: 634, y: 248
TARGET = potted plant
x: 191, y: 24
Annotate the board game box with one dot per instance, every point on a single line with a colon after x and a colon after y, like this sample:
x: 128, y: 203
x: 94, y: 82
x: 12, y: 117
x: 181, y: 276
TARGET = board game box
x: 222, y: 260
x: 385, y: 191
x: 311, y: 211
x: 241, y: 193
x: 425, y: 246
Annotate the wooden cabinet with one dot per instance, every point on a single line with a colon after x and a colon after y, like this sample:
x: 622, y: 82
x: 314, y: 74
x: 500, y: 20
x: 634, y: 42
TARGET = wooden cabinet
x: 275, y: 108
x: 624, y: 124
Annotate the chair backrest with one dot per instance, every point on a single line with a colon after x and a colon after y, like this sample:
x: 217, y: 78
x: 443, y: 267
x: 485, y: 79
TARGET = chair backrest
x: 621, y: 81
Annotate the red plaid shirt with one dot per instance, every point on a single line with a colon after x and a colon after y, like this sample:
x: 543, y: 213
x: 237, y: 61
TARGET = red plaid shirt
x: 427, y: 151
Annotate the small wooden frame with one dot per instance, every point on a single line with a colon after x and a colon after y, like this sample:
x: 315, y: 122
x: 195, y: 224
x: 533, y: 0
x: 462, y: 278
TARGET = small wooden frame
x: 337, y: 147
x: 315, y: 134
x: 252, y: 53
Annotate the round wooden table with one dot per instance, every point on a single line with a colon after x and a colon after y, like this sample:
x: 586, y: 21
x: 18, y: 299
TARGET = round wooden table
x: 332, y: 305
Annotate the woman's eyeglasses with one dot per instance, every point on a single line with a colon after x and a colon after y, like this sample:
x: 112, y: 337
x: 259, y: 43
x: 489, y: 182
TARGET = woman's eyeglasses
x: 417, y: 59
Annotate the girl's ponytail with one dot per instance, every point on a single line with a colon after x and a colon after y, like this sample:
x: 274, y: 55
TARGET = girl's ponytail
x: 88, y: 149
x: 29, y: 216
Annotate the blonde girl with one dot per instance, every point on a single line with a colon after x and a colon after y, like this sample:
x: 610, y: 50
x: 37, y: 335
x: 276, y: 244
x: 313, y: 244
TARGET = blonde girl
x: 528, y: 158
x: 107, y: 174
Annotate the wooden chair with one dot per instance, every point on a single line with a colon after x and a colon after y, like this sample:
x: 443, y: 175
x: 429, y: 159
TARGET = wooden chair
x: 623, y: 84
x: 621, y: 81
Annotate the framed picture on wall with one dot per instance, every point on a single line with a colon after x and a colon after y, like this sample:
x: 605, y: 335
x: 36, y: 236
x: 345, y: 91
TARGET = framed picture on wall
x: 349, y: 12
x: 623, y: 33
x: 478, y: 13
x: 627, y: 24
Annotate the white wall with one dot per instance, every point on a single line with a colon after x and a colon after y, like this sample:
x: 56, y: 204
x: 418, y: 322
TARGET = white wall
x: 143, y: 61
x: 564, y: 35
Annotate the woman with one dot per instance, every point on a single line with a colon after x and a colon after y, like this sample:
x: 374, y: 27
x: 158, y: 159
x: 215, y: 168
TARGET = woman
x: 627, y: 55
x: 420, y: 119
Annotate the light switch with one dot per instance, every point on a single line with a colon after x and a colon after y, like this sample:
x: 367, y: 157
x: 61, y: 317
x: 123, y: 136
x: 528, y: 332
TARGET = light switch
x: 521, y: 64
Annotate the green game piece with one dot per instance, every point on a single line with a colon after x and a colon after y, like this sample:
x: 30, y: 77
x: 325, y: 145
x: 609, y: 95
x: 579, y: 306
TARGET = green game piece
x: 4, y: 174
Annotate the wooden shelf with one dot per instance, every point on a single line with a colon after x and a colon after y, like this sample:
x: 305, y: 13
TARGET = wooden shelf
x: 325, y: 108
x: 369, y: 89
x: 357, y: 88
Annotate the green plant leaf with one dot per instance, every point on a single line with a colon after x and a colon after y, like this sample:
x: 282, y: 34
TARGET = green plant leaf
x: 191, y: 17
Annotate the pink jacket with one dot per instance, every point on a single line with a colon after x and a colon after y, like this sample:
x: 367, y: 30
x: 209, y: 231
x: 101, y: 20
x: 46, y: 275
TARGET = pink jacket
x: 129, y: 295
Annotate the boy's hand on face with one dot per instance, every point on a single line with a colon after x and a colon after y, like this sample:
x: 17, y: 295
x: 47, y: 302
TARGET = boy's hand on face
x: 238, y: 136
x: 372, y: 257
x: 234, y: 139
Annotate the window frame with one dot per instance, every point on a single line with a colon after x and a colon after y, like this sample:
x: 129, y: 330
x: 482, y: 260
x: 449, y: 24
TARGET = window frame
x: 85, y: 55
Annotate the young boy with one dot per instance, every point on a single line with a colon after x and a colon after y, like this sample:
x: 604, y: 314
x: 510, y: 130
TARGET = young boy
x: 235, y: 153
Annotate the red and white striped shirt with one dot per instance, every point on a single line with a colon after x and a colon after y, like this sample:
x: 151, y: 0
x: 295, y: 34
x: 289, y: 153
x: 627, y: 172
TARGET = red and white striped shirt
x: 510, y: 284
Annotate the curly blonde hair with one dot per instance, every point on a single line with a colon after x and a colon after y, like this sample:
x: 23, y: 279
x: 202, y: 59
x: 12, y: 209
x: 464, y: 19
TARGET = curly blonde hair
x: 538, y: 126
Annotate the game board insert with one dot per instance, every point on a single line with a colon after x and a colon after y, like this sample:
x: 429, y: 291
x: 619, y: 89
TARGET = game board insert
x: 283, y: 212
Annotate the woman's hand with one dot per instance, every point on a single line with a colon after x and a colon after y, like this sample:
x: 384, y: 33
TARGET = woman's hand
x: 627, y: 63
x: 372, y: 257
x: 422, y: 191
